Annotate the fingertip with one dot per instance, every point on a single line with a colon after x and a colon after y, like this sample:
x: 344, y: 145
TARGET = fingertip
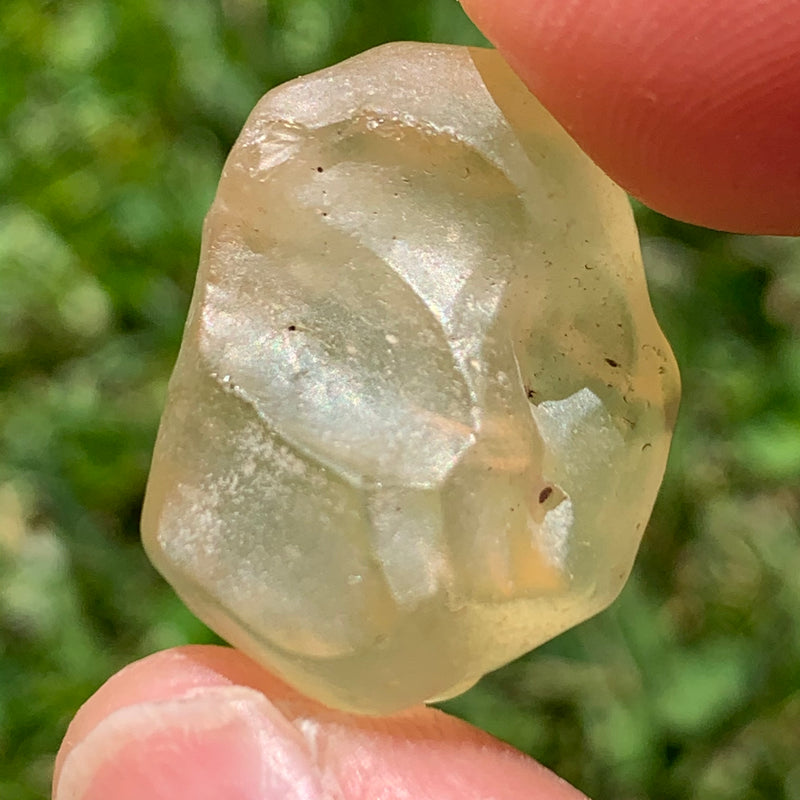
x: 208, y: 722
x: 161, y: 677
x: 225, y: 742
x: 692, y: 108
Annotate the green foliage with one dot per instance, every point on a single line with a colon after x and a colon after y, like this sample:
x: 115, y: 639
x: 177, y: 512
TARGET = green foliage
x: 115, y: 117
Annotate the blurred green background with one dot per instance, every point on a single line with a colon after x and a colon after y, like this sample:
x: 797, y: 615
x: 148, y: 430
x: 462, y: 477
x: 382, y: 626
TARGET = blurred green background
x: 115, y: 117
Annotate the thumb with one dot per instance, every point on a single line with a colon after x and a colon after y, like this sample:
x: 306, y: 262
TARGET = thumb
x: 694, y: 108
x: 207, y: 723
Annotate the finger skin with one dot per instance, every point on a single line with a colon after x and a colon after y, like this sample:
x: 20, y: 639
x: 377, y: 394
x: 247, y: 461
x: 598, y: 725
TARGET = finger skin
x: 693, y: 107
x: 421, y: 754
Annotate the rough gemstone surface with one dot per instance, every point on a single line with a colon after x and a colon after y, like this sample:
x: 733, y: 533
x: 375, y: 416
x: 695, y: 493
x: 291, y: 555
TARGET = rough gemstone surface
x: 422, y: 406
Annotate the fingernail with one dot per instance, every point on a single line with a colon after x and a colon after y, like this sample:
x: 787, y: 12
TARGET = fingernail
x: 222, y: 742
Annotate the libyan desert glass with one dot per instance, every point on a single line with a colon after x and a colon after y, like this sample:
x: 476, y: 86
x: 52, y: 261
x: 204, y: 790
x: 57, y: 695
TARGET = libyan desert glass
x: 422, y: 406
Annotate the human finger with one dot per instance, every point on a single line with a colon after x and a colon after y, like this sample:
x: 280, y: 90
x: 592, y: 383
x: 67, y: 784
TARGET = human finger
x: 206, y: 722
x: 694, y: 108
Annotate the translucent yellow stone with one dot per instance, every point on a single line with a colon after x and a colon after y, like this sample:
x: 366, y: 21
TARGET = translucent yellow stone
x: 422, y: 406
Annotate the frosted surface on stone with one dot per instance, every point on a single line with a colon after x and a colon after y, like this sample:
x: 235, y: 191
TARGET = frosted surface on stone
x: 422, y: 406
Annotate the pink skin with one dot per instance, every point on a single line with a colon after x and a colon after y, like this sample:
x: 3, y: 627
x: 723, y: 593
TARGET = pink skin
x: 692, y: 107
x: 196, y: 722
